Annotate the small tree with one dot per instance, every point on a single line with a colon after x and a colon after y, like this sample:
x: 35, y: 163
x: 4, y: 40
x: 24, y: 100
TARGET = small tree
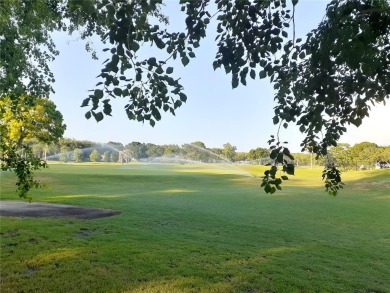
x: 106, y: 156
x: 95, y: 156
x: 78, y: 155
x: 25, y: 117
x: 229, y: 151
x: 137, y: 149
x: 30, y: 118
x: 64, y: 154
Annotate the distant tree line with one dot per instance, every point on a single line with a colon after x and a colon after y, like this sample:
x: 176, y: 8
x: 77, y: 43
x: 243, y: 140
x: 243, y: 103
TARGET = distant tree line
x: 363, y: 155
x: 72, y: 150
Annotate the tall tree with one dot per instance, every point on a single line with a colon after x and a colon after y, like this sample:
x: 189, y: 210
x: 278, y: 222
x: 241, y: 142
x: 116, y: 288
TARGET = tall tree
x: 95, y: 156
x: 258, y: 153
x: 342, y: 156
x: 137, y: 149
x: 365, y: 154
x: 229, y: 152
x: 154, y: 150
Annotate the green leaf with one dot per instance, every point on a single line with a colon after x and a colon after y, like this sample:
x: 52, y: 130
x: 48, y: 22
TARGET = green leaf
x: 185, y: 60
x: 243, y: 80
x: 156, y: 114
x: 131, y: 116
x: 169, y: 70
x: 117, y: 91
x: 85, y: 102
x: 98, y: 116
x: 170, y: 49
x: 88, y: 115
x: 159, y: 70
x: 152, y: 122
x: 177, y: 104
x: 252, y: 74
x: 107, y: 109
x: 152, y: 61
x: 159, y: 43
x: 191, y: 54
x: 183, y: 97
x: 290, y: 169
x: 263, y: 74
x: 274, y: 154
x: 98, y: 94
x: 284, y: 177
x: 134, y: 46
x: 234, y: 81
x: 279, y: 158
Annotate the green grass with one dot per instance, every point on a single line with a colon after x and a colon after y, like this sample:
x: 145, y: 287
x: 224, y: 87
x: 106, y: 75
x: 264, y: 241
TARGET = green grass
x: 199, y: 229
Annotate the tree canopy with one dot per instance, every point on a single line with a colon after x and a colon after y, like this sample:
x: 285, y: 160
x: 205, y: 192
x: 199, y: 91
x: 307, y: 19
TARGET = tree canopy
x: 320, y: 85
x: 30, y: 117
x: 21, y: 119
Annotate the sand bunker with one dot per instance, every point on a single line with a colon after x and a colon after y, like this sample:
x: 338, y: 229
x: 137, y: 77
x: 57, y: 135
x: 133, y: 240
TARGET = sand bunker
x: 12, y: 208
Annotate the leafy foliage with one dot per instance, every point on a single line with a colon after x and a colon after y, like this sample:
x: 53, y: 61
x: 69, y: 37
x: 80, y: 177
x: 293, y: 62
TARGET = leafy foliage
x: 323, y: 86
x: 26, y: 118
x: 23, y: 162
x: 147, y: 83
x: 229, y: 152
x: 26, y: 47
x: 30, y: 117
x: 281, y: 156
x: 332, y: 177
x: 320, y: 85
x: 95, y: 156
x: 258, y: 153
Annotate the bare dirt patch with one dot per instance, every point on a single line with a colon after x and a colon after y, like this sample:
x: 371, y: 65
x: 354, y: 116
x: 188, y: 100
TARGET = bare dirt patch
x: 12, y: 208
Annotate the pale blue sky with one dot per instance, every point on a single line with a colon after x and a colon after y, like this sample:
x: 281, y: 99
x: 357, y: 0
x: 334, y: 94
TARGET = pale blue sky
x: 214, y: 113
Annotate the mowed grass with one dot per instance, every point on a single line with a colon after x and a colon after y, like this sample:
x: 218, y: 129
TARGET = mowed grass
x: 197, y: 228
